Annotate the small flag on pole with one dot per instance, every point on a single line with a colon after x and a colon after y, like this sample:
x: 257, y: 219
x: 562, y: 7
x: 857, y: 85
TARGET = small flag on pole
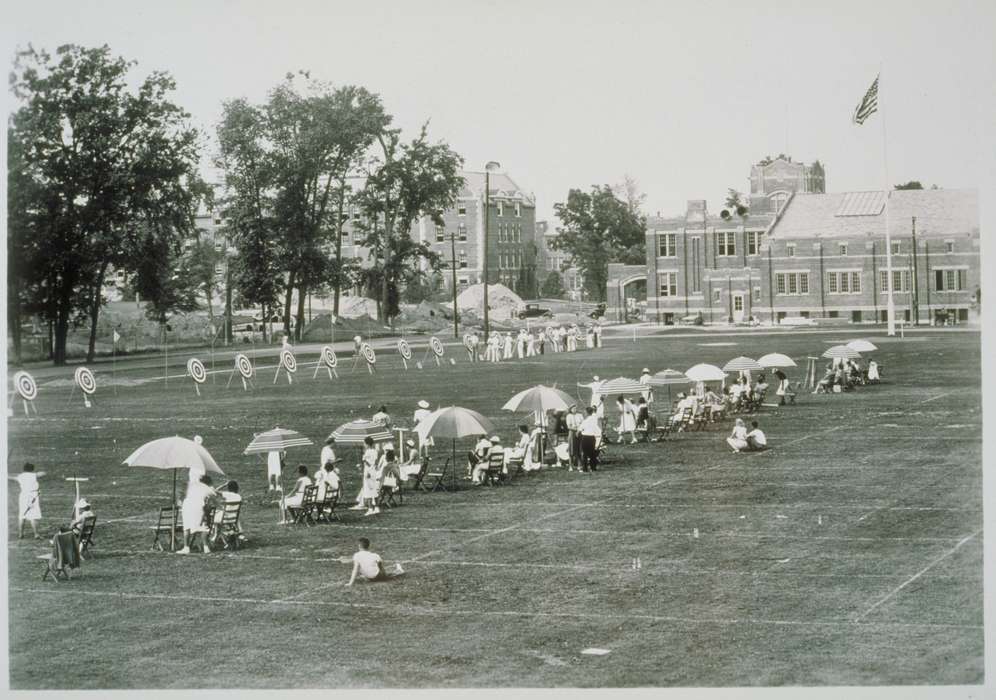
x: 117, y: 337
x: 868, y: 105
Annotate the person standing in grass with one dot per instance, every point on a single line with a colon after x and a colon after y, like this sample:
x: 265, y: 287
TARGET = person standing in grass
x: 199, y: 494
x: 574, y: 436
x: 372, y: 474
x: 274, y: 464
x: 28, y: 505
x: 328, y: 453
x: 369, y: 566
x: 591, y: 432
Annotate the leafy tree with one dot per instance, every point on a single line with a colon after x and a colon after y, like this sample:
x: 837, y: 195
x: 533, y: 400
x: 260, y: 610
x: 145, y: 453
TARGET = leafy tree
x: 599, y: 227
x: 163, y: 277
x: 911, y: 185
x: 403, y: 182
x: 553, y: 286
x: 95, y: 163
x: 201, y: 260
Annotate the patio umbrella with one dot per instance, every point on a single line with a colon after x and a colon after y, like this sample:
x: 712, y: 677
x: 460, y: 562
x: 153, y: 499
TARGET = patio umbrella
x: 540, y: 398
x: 774, y: 360
x: 705, y: 373
x: 741, y: 364
x: 173, y: 453
x: 355, y: 432
x: 619, y: 386
x: 668, y: 378
x: 276, y: 440
x: 841, y: 351
x: 455, y: 422
x: 862, y: 345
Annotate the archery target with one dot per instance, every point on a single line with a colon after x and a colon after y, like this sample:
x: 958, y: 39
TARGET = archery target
x: 328, y: 357
x: 25, y: 385
x: 368, y: 353
x: 85, y: 380
x: 288, y: 361
x: 405, y: 349
x: 243, y: 365
x: 196, y: 369
x: 437, y: 347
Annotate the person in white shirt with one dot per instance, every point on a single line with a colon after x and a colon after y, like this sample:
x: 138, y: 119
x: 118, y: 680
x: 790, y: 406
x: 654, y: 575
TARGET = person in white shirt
x: 647, y: 391
x: 684, y: 402
x: 738, y: 438
x: 478, y: 455
x: 418, y: 418
x: 530, y: 345
x: 192, y: 510
x: 520, y: 344
x: 28, y: 505
x: 508, y: 344
x: 382, y: 417
x: 756, y: 440
x: 373, y: 473
x: 627, y: 419
x: 574, y: 435
x: 494, y: 449
x: 591, y: 434
x: 296, y: 498
x: 328, y: 453
x: 873, y: 375
x: 369, y: 565
x: 228, y: 493
x: 412, y: 464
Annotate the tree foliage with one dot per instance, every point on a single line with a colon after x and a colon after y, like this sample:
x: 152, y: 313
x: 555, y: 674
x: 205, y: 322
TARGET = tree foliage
x: 911, y: 185
x: 598, y: 228
x: 553, y: 286
x: 98, y: 169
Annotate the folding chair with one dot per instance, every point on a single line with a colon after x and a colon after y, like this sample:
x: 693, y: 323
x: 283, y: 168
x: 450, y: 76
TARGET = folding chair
x: 440, y: 477
x: 164, y: 526
x: 225, y: 525
x: 390, y: 496
x: 515, y: 466
x: 325, y: 510
x: 496, y: 465
x: 304, y: 513
x: 85, y: 535
x: 65, y: 556
x: 419, y: 477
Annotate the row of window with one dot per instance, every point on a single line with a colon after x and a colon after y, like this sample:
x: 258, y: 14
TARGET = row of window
x: 461, y: 233
x: 510, y: 233
x: 500, y: 207
x: 555, y: 262
x: 512, y: 260
x: 726, y: 245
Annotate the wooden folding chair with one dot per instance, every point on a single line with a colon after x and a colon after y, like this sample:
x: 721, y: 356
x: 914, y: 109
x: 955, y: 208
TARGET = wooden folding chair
x: 390, y: 496
x: 440, y: 477
x: 515, y: 466
x: 85, y: 535
x: 325, y: 511
x: 164, y: 526
x: 226, y: 527
x: 418, y: 479
x: 496, y: 465
x: 65, y: 557
x: 304, y: 513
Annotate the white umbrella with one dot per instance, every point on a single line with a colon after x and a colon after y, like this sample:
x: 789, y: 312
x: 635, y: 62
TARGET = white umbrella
x: 775, y: 359
x: 668, y: 377
x: 741, y: 364
x: 862, y: 345
x: 540, y: 398
x: 455, y: 422
x: 841, y: 351
x: 705, y: 373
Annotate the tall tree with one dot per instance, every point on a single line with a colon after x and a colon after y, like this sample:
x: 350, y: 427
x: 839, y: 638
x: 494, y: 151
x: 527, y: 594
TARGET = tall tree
x: 911, y: 185
x: 597, y: 228
x: 94, y: 161
x: 404, y: 181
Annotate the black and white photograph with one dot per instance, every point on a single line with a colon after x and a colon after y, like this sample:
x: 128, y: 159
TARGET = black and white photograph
x: 474, y: 345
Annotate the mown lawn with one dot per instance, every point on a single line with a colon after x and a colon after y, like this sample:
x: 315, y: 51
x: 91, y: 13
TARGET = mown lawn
x: 849, y: 553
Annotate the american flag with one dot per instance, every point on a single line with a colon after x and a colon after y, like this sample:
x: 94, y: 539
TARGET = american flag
x: 868, y: 105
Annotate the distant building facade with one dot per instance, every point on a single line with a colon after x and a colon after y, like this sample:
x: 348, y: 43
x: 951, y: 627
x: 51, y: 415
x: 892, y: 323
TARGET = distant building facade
x: 550, y: 260
x: 772, y: 181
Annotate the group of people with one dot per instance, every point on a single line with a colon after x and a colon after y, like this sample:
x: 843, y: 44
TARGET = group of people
x: 847, y: 374
x: 525, y: 343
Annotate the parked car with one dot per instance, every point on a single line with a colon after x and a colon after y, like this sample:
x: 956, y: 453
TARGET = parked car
x: 535, y: 311
x: 599, y: 311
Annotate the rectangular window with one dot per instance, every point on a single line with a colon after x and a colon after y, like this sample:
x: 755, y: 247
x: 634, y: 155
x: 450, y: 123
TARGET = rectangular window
x: 950, y: 280
x: 667, y: 245
x: 440, y: 234
x: 500, y: 206
x: 841, y: 249
x: 696, y: 277
x: 803, y: 283
x: 895, y: 247
x: 855, y: 283
x: 831, y: 283
x: 462, y: 232
x: 793, y: 285
x: 219, y: 270
x: 462, y: 210
x: 345, y: 236
x: 962, y: 284
x: 727, y: 243
x: 463, y: 258
x: 790, y: 250
x: 845, y: 283
x: 753, y: 242
x: 518, y: 233
x: 669, y: 284
x: 948, y: 246
x: 780, y: 283
x: 717, y: 295
x: 757, y: 294
x: 217, y: 246
x: 518, y: 209
x: 900, y: 281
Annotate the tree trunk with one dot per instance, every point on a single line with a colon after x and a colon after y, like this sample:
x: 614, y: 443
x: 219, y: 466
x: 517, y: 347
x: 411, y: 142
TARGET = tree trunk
x: 14, y: 316
x: 266, y: 321
x: 338, y: 249
x: 208, y: 294
x: 302, y: 293
x: 95, y: 310
x: 287, y: 303
x: 61, y: 330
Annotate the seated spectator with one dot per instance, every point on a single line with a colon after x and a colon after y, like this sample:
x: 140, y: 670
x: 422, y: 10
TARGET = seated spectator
x: 738, y: 438
x: 369, y: 566
x: 412, y: 464
x: 521, y: 447
x: 228, y: 493
x: 563, y: 453
x: 494, y: 448
x: 332, y: 480
x: 689, y: 401
x: 478, y: 455
x: 756, y: 439
x: 391, y: 472
x: 736, y: 393
x: 761, y: 387
x: 296, y: 498
x: 83, y: 512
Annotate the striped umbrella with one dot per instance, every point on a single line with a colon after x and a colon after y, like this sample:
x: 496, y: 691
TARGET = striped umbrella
x: 276, y: 440
x: 667, y: 377
x: 355, y: 432
x: 741, y: 364
x: 841, y: 351
x: 776, y: 359
x: 862, y: 345
x: 454, y: 422
x: 540, y: 398
x: 619, y: 386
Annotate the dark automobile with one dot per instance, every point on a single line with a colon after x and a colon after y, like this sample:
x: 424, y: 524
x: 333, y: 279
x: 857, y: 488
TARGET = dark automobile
x: 599, y: 311
x: 535, y: 311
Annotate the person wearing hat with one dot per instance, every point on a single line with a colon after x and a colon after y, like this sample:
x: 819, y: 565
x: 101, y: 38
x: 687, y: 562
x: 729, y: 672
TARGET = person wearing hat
x: 477, y: 459
x: 507, y: 347
x: 647, y: 391
x: 83, y: 513
x: 412, y: 464
x: 328, y: 453
x: 574, y: 436
x: 421, y: 413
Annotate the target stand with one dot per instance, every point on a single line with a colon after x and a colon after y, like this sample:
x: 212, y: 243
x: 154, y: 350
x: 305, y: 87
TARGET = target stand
x: 87, y: 383
x: 369, y: 355
x: 195, y: 368
x: 436, y: 349
x: 244, y: 368
x: 27, y: 390
x: 329, y: 361
x: 405, y: 350
x: 288, y: 364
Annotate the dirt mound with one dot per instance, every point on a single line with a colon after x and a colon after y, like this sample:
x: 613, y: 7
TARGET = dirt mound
x: 503, y: 303
x: 356, y: 307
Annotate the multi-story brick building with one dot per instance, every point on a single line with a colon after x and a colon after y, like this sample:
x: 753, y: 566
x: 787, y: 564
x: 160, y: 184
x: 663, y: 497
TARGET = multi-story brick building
x: 549, y: 259
x: 820, y: 256
x: 775, y: 179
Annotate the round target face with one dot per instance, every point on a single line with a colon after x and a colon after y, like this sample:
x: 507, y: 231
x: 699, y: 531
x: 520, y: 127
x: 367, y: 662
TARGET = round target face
x: 368, y: 353
x: 329, y: 357
x: 196, y: 369
x: 437, y: 347
x: 25, y: 385
x: 243, y: 365
x: 405, y: 349
x: 85, y: 380
x: 288, y: 361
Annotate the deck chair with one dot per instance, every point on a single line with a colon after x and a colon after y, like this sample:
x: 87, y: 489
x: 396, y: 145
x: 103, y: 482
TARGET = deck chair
x: 161, y: 529
x: 305, y: 513
x: 439, y: 477
x: 496, y: 465
x: 64, y: 560
x: 225, y: 525
x: 325, y: 510
x: 84, y: 535
x: 418, y: 478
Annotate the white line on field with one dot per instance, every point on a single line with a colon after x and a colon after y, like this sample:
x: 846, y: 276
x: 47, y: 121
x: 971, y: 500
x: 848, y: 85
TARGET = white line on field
x: 917, y: 575
x: 407, y: 610
x: 939, y: 396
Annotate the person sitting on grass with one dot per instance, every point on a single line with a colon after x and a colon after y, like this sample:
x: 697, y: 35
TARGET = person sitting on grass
x: 756, y: 440
x: 738, y: 438
x: 296, y: 498
x: 199, y: 496
x: 369, y: 566
x: 28, y: 506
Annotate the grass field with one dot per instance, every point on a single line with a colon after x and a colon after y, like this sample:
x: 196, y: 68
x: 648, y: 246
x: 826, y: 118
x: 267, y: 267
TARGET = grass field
x: 849, y: 553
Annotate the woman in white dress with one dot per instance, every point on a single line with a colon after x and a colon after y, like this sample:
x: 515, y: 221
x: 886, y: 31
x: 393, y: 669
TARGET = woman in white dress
x: 530, y: 345
x: 296, y: 498
x: 872, y: 371
x: 508, y: 345
x: 28, y: 505
x: 627, y: 419
x: 373, y: 472
x: 192, y: 509
x: 738, y: 438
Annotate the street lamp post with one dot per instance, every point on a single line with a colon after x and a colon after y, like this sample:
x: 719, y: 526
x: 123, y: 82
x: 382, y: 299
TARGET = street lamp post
x: 491, y: 165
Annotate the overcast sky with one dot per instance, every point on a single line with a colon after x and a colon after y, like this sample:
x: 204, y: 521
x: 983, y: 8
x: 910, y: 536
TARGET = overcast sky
x: 683, y: 97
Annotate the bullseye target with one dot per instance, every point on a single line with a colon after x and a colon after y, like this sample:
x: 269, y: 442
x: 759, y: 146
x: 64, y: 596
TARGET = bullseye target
x: 368, y: 353
x: 329, y: 358
x: 288, y: 361
x: 85, y: 380
x: 25, y: 386
x: 196, y: 370
x: 405, y: 349
x: 244, y: 366
x: 436, y: 345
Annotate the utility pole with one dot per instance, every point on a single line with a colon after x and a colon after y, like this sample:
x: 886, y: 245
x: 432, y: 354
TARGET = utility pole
x: 491, y: 165
x: 916, y: 286
x: 456, y: 313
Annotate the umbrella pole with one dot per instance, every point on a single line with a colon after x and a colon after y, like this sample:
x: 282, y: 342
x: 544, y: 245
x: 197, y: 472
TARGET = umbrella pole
x: 172, y: 532
x: 454, y: 467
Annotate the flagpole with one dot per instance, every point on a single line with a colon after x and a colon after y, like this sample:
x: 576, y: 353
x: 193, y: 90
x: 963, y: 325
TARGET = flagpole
x: 890, y: 305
